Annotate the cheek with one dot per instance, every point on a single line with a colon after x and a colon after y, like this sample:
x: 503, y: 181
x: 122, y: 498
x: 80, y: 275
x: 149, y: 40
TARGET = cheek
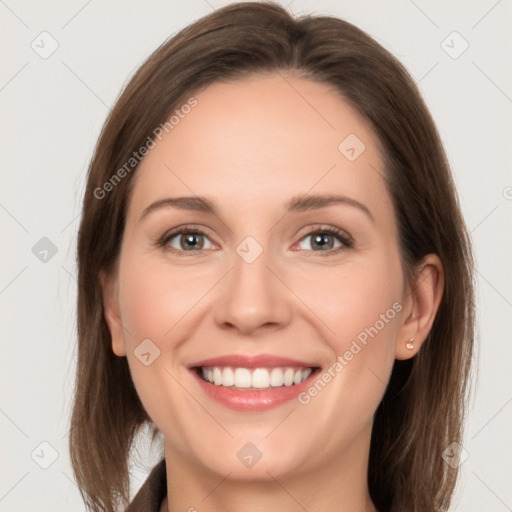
x: 357, y: 301
x: 154, y: 298
x: 359, y: 308
x: 154, y: 303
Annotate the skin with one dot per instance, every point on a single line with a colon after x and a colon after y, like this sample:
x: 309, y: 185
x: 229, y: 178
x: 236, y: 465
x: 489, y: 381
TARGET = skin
x: 250, y: 146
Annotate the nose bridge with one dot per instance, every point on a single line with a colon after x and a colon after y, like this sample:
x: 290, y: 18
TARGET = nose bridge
x: 251, y: 295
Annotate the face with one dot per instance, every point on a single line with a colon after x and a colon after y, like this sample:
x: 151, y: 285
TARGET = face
x: 258, y: 280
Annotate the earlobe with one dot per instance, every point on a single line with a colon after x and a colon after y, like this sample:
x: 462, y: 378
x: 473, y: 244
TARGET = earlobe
x: 111, y: 312
x: 422, y: 305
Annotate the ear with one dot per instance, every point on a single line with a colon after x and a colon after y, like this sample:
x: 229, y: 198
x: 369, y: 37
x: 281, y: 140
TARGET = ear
x: 421, y: 307
x: 111, y: 311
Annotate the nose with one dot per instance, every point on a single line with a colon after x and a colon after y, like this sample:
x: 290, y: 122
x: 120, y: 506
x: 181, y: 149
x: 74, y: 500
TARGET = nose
x: 253, y: 296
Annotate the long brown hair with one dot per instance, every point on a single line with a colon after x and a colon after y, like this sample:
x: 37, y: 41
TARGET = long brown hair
x: 422, y: 411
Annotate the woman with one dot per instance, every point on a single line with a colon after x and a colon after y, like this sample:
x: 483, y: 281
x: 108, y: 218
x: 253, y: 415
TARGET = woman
x: 275, y: 275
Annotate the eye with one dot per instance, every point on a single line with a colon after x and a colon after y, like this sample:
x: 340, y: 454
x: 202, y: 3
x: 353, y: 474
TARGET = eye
x: 192, y: 239
x: 329, y: 240
x: 186, y: 239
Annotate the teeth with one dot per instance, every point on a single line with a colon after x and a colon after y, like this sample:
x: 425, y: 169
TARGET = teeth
x: 276, y: 377
x: 242, y: 378
x: 217, y: 376
x: 259, y: 378
x: 288, y: 376
x: 228, y: 377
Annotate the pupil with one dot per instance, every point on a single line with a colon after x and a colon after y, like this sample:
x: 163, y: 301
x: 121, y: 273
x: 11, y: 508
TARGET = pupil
x: 319, y: 238
x: 191, y: 239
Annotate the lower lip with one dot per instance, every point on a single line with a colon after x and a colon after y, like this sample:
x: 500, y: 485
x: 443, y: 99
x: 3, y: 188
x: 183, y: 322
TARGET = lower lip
x: 253, y: 400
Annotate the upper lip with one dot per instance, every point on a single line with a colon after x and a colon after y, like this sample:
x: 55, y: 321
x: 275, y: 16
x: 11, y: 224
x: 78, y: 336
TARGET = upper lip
x: 254, y: 361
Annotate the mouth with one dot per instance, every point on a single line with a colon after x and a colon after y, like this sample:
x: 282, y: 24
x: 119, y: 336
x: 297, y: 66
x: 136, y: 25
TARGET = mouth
x: 253, y: 383
x: 254, y: 379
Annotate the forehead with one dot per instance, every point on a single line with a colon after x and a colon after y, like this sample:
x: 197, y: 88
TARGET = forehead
x: 259, y: 141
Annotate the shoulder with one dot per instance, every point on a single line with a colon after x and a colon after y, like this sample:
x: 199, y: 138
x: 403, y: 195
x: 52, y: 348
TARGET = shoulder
x: 150, y: 496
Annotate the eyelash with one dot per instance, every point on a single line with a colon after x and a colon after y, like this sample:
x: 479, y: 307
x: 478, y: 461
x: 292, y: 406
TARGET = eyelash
x: 341, y: 235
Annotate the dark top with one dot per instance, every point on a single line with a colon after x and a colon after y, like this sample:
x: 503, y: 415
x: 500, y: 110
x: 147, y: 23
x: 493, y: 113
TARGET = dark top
x: 153, y: 491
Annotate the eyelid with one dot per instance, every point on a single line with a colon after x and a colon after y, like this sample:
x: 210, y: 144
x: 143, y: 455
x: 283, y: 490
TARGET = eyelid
x: 329, y: 229
x: 181, y: 230
x: 343, y: 236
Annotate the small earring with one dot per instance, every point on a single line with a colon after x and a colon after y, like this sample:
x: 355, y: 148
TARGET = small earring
x: 410, y: 344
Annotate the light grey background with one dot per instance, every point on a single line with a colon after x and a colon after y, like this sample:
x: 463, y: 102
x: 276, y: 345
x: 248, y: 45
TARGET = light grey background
x: 51, y: 112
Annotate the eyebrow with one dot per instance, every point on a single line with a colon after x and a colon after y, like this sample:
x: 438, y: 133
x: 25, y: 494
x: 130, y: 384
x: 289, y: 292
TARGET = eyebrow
x: 295, y: 204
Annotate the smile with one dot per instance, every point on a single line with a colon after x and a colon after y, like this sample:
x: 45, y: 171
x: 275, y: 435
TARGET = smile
x: 253, y: 383
x: 256, y: 378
